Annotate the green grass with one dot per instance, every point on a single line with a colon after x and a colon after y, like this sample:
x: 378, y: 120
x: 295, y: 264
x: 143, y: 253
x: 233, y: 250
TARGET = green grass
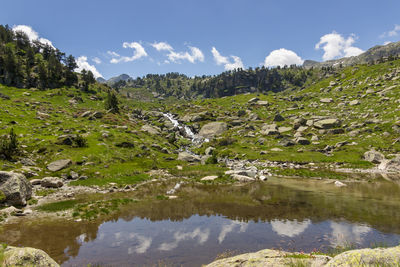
x: 58, y: 206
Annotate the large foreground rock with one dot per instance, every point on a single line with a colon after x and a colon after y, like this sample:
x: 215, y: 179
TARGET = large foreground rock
x: 59, y: 165
x: 270, y: 258
x: 16, y: 188
x: 14, y: 256
x: 212, y: 129
x: 367, y: 257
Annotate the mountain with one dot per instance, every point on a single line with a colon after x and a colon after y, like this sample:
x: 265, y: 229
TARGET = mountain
x: 122, y: 77
x: 371, y: 55
x: 101, y: 80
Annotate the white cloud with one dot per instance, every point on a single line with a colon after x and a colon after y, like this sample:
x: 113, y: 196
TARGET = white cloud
x: 139, y: 52
x: 84, y: 64
x: 96, y: 60
x: 228, y: 65
x: 195, y: 53
x: 335, y: 45
x: 289, y: 228
x: 201, y: 235
x: 32, y: 34
x: 162, y: 46
x: 282, y: 57
x: 391, y: 33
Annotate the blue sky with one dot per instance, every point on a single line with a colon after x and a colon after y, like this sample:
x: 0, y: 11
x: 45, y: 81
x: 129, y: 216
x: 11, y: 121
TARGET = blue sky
x: 204, y: 36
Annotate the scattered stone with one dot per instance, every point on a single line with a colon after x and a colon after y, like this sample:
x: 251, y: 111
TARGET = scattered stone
x: 52, y: 182
x: 125, y: 144
x: 150, y: 129
x: 253, y: 100
x: 186, y: 156
x: 15, y: 187
x: 326, y: 100
x: 212, y: 129
x: 354, y: 103
x: 391, y: 165
x: 36, y: 181
x: 209, y: 178
x: 242, y: 178
x: 278, y: 117
x: 327, y: 124
x: 59, y: 165
x: 302, y: 141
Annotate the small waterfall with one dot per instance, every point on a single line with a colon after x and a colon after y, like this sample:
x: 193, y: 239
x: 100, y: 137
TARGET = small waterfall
x: 196, y: 139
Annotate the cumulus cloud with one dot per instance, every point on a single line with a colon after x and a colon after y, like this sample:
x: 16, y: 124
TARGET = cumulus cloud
x: 391, y: 33
x: 201, y: 236
x: 335, y: 45
x: 138, y: 52
x: 282, y: 57
x: 222, y: 60
x: 96, y: 60
x: 32, y: 34
x: 289, y: 228
x: 83, y: 64
x: 195, y: 53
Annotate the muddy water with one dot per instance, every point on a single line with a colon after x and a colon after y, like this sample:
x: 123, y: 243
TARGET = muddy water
x: 206, y: 221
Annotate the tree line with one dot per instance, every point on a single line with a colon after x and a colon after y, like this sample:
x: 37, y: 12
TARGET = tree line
x: 27, y: 64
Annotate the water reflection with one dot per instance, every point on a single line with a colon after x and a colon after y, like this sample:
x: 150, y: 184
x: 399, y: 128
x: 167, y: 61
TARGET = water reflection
x: 207, y: 220
x: 289, y: 228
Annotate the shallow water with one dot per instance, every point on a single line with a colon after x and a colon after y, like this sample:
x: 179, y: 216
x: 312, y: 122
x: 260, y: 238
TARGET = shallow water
x: 206, y: 221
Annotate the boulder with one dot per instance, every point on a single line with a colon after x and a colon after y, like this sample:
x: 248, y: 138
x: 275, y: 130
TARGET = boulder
x: 15, y: 256
x: 374, y: 156
x: 326, y: 100
x: 262, y: 103
x: 354, y: 102
x: 52, y: 182
x: 391, y: 165
x: 186, y: 156
x: 59, y: 165
x: 150, y: 129
x: 278, y: 117
x: 15, y: 187
x: 270, y: 258
x: 243, y: 178
x: 212, y: 129
x: 253, y: 100
x: 327, y: 124
x: 367, y: 257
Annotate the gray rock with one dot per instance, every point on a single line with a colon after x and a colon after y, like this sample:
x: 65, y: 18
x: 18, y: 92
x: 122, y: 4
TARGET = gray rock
x: 302, y: 141
x: 16, y: 188
x: 243, y: 178
x: 185, y: 156
x: 209, y: 150
x: 36, y: 181
x: 16, y: 256
x: 150, y: 129
x: 367, y: 257
x: 52, y: 182
x: 278, y: 117
x: 253, y: 100
x: 327, y: 124
x: 354, y: 102
x: 374, y: 156
x: 326, y: 100
x: 391, y: 165
x: 262, y: 103
x: 209, y: 178
x: 212, y: 129
x: 59, y: 165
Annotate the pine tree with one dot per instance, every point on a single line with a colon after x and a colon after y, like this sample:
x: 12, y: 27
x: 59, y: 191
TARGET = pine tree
x: 111, y: 103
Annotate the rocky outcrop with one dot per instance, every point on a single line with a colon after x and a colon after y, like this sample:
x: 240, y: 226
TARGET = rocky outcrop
x: 367, y: 257
x: 390, y: 165
x: 213, y: 129
x: 15, y: 187
x: 270, y: 258
x: 374, y: 156
x: 359, y: 257
x: 14, y: 256
x: 327, y: 124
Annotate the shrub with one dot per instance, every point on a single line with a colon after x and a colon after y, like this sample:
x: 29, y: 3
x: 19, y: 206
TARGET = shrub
x: 9, y: 145
x: 80, y: 141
